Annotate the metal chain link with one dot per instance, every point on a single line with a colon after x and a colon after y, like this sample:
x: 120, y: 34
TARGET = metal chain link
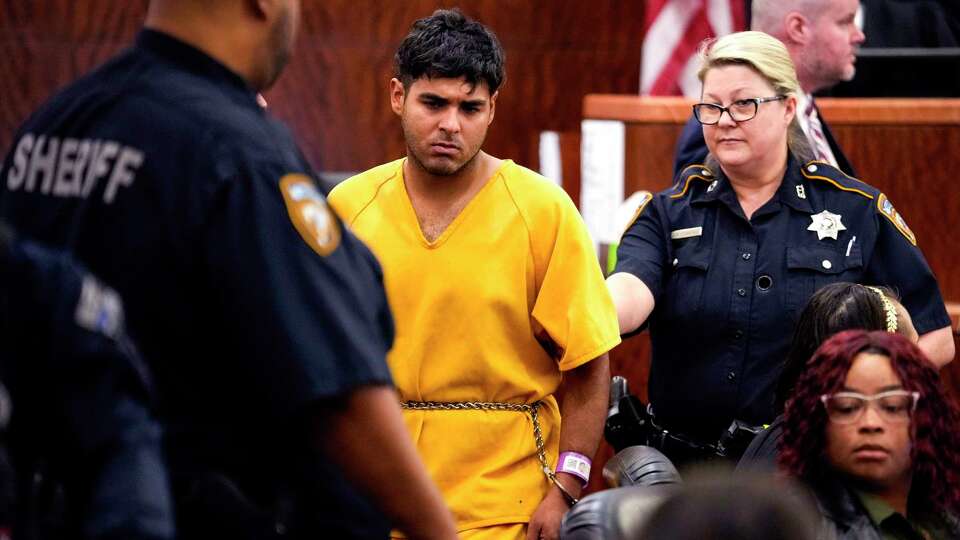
x: 526, y: 408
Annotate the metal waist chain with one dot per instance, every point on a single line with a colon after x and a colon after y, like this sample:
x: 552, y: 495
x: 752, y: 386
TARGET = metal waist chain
x: 526, y: 408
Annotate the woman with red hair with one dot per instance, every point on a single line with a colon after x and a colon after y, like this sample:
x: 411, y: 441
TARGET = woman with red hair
x: 872, y: 432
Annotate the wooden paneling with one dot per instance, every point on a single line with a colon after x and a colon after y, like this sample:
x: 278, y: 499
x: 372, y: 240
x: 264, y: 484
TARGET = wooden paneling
x: 659, y: 110
x: 648, y: 163
x: 550, y: 66
x: 334, y: 92
x: 570, y: 163
x: 45, y: 44
x: 890, y: 111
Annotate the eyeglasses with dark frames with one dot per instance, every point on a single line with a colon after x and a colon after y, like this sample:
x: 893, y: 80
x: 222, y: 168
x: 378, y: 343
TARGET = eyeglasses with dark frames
x: 740, y: 110
x: 894, y: 406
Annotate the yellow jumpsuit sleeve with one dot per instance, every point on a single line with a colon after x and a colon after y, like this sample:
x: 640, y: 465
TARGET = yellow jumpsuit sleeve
x: 573, y: 307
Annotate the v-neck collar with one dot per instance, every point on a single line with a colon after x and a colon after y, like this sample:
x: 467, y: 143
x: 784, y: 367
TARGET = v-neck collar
x: 415, y: 220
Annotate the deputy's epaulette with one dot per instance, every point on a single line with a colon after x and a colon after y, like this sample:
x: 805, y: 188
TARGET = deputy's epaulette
x: 825, y: 172
x: 688, y: 175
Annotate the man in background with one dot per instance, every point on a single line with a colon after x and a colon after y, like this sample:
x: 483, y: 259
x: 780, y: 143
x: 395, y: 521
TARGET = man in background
x: 822, y: 38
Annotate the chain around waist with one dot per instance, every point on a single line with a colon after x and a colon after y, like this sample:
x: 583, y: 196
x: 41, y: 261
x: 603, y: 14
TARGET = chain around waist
x: 528, y: 408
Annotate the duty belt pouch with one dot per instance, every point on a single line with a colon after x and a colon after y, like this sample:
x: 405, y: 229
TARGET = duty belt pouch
x: 216, y: 507
x: 737, y: 438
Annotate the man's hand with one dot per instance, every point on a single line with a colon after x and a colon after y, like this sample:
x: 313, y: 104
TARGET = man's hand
x: 583, y: 408
x: 545, y: 522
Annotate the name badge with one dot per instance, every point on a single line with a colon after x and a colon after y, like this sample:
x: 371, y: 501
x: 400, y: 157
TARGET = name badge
x: 680, y: 234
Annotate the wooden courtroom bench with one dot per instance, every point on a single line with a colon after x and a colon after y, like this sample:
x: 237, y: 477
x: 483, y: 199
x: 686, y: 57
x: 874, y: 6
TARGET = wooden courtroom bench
x: 907, y: 148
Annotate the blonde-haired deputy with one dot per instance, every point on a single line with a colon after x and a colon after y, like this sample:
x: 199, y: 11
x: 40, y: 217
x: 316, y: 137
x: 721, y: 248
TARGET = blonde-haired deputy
x: 720, y: 265
x: 821, y: 37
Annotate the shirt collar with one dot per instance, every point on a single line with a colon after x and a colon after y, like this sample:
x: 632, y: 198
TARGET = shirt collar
x: 194, y: 60
x: 876, y: 508
x: 792, y: 192
x: 717, y: 186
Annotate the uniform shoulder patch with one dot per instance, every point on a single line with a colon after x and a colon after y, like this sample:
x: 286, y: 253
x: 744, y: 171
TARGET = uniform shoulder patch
x: 888, y: 211
x: 825, y: 172
x: 631, y: 207
x: 689, y: 174
x: 99, y: 308
x: 309, y: 213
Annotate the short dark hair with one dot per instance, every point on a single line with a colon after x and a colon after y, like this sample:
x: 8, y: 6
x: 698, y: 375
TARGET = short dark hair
x: 448, y: 44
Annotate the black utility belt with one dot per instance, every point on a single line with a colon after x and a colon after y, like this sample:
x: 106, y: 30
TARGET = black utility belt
x: 731, y: 444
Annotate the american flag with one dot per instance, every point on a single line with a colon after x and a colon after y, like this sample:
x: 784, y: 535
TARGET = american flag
x: 673, y: 30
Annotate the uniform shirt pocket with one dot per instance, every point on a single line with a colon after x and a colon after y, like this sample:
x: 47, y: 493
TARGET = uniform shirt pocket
x: 811, y: 267
x: 688, y: 273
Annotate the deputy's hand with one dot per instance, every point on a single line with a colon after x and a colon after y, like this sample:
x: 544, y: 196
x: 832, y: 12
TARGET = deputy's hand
x: 545, y: 522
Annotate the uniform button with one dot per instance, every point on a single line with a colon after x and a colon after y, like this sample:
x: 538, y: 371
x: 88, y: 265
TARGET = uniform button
x: 675, y: 262
x: 746, y: 256
x: 812, y: 168
x: 742, y: 292
x: 764, y: 282
x: 706, y: 173
x: 738, y: 334
x: 731, y: 376
x: 827, y: 264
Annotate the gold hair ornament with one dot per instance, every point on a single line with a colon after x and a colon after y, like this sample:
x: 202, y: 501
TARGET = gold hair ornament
x: 888, y: 307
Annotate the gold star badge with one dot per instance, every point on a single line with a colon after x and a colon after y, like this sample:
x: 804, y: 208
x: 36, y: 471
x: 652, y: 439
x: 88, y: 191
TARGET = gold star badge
x: 826, y: 224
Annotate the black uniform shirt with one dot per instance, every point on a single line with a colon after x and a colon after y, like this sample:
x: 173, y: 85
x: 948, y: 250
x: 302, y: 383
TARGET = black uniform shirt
x: 162, y: 173
x: 80, y: 401
x: 728, y: 291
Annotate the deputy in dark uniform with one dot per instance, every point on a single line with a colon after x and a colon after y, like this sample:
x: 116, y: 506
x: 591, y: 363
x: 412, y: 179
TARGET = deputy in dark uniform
x: 75, y: 409
x: 263, y: 319
x: 720, y: 265
x: 822, y: 37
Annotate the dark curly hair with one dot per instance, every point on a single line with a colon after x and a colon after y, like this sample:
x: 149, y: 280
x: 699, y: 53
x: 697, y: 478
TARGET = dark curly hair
x: 935, y: 423
x: 448, y: 44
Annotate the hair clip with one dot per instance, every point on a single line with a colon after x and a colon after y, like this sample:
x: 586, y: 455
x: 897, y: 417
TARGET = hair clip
x: 888, y: 307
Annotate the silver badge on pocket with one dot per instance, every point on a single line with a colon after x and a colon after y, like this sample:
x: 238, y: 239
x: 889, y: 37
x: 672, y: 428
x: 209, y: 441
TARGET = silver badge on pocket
x: 826, y: 224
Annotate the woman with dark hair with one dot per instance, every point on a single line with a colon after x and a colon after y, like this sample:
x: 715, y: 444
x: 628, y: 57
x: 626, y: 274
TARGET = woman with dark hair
x: 834, y: 308
x: 870, y: 429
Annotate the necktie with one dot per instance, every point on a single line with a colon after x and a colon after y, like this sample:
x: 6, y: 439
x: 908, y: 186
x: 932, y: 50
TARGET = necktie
x: 817, y: 139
